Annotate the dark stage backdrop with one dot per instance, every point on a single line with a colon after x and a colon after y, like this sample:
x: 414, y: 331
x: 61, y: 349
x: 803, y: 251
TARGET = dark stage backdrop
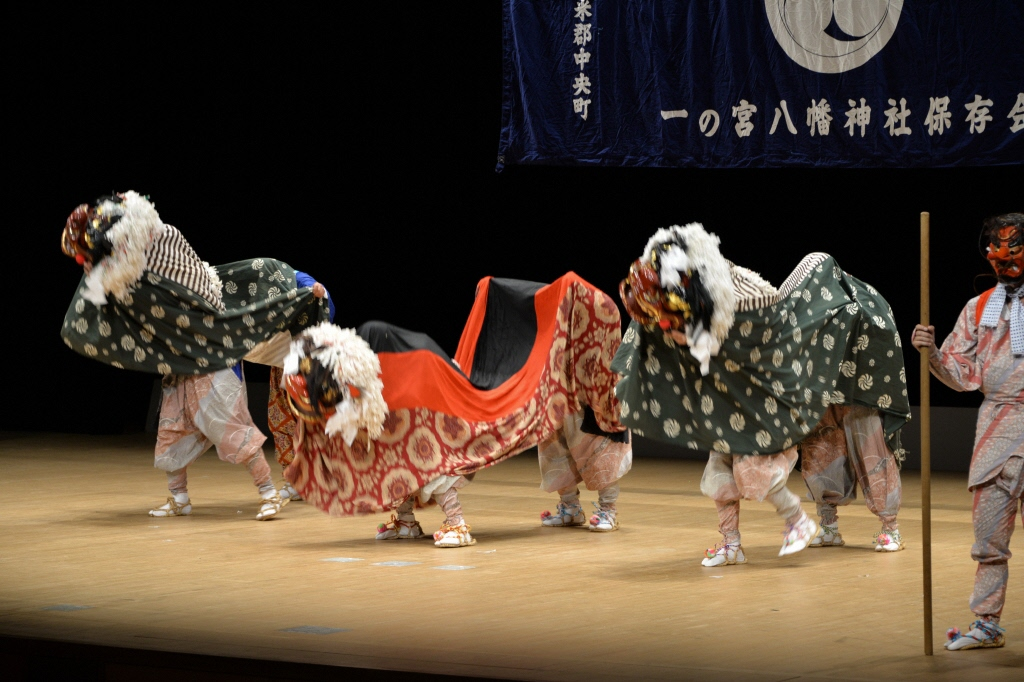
x: 360, y: 146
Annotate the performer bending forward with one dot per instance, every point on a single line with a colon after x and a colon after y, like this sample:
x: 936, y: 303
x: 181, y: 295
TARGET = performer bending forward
x: 148, y: 303
x: 718, y: 359
x: 387, y: 421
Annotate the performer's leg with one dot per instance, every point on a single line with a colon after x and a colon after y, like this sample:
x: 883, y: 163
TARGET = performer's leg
x: 557, y: 468
x: 730, y: 551
x: 605, y: 518
x: 403, y: 524
x: 828, y: 534
x: 877, y: 472
x: 994, y: 515
x: 281, y: 421
x: 178, y: 503
x: 719, y: 483
x: 223, y: 417
x: 455, y: 531
x: 800, y: 528
x: 786, y: 503
x: 260, y: 472
x: 569, y: 511
x: 826, y: 472
x: 996, y: 505
x: 178, y: 441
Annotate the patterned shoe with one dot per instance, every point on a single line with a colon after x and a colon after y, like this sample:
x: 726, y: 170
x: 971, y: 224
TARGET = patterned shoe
x: 271, y: 505
x: 796, y: 536
x: 453, y: 536
x: 828, y: 536
x: 983, y: 635
x: 724, y: 555
x: 565, y: 515
x: 603, y: 520
x: 888, y: 541
x: 172, y: 508
x: 400, y: 529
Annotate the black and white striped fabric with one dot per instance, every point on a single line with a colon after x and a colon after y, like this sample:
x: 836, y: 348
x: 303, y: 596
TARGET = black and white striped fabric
x: 753, y: 292
x: 800, y: 273
x: 172, y: 257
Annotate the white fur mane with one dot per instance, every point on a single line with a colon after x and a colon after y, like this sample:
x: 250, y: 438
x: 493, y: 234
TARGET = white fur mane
x: 693, y: 248
x: 130, y: 237
x: 349, y: 358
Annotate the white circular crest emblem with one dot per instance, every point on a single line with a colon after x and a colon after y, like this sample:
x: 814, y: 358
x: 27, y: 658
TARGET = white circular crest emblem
x: 833, y: 36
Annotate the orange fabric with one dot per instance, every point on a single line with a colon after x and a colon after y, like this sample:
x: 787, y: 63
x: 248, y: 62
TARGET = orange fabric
x: 982, y: 302
x: 466, y: 351
x: 438, y: 424
x: 428, y: 382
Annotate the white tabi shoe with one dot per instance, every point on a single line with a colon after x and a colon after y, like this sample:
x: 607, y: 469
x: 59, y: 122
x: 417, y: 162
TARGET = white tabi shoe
x: 400, y: 529
x: 797, y: 536
x: 827, y: 536
x: 270, y: 507
x: 288, y: 492
x: 604, y: 520
x: 724, y: 555
x: 565, y: 515
x: 173, y: 508
x: 982, y: 635
x: 888, y: 541
x: 453, y: 536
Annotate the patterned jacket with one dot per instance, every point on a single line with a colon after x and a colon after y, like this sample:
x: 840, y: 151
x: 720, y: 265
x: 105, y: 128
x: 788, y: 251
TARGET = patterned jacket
x: 975, y: 357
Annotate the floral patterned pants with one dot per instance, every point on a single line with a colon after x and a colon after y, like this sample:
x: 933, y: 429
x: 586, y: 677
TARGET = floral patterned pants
x: 996, y: 505
x: 849, y: 447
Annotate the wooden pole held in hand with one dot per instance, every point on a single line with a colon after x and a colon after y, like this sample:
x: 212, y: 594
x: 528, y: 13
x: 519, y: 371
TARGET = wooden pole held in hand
x: 926, y: 445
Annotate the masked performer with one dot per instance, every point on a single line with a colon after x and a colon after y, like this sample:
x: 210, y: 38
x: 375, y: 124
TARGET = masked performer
x: 147, y: 302
x: 718, y: 359
x: 985, y: 352
x: 532, y: 363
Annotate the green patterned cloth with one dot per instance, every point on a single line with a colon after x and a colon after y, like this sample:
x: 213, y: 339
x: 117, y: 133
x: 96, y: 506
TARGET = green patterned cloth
x: 832, y: 340
x: 165, y: 328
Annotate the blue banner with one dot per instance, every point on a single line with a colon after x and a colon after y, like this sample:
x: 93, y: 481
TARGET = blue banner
x: 763, y: 83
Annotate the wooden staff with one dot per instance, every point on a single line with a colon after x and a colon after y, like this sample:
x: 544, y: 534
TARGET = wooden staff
x: 926, y: 447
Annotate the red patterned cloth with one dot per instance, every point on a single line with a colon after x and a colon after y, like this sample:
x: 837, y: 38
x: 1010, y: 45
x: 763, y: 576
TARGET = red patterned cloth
x: 280, y: 419
x: 440, y: 425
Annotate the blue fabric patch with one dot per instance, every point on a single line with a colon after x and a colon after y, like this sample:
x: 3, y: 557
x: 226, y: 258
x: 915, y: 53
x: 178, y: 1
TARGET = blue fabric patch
x: 303, y: 279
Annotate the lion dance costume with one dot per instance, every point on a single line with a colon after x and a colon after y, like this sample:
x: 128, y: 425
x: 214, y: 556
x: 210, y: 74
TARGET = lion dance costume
x: 150, y: 304
x: 718, y: 359
x: 387, y: 421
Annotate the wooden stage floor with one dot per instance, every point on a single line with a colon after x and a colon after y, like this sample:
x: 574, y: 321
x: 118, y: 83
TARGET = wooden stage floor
x: 82, y: 565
